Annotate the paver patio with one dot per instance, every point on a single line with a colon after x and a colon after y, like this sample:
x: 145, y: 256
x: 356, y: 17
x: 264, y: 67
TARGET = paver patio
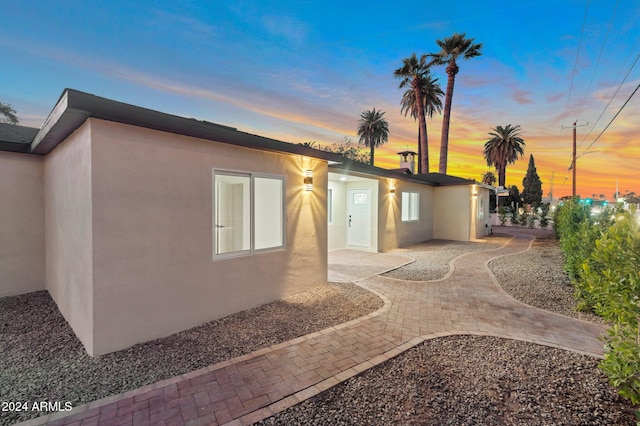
x: 255, y: 386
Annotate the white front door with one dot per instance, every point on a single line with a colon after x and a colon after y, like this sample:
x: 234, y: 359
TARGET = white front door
x: 359, y: 218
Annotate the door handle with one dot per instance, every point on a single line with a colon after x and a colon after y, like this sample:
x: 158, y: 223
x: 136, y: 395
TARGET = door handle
x: 349, y: 221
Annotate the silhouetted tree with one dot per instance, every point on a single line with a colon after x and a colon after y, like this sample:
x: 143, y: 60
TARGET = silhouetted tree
x: 452, y: 48
x: 504, y: 147
x: 532, y: 185
x: 8, y: 114
x: 373, y: 130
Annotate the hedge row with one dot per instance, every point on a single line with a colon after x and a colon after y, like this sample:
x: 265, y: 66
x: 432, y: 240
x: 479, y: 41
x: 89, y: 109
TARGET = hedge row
x: 602, y: 257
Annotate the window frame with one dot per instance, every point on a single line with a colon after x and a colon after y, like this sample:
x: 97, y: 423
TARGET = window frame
x: 413, y: 206
x: 252, y: 217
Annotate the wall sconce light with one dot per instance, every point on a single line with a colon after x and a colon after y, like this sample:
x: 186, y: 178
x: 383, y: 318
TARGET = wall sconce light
x: 392, y: 191
x: 308, y: 180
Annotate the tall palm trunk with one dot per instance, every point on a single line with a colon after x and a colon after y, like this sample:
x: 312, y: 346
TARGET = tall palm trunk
x: 422, y: 129
x: 502, y: 174
x: 372, y: 150
x: 452, y: 70
x: 419, y: 153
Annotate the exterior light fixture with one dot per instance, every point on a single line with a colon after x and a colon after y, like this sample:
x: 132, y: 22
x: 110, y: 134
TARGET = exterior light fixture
x: 392, y: 191
x: 308, y: 180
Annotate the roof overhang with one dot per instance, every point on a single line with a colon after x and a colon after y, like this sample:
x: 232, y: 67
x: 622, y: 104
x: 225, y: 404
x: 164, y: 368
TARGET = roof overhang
x: 356, y: 168
x: 75, y: 107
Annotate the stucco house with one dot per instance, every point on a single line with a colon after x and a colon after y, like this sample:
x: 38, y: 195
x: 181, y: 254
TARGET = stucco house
x: 141, y: 224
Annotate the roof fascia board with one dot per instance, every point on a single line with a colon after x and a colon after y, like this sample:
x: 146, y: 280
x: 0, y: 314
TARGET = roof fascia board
x: 61, y: 122
x: 22, y: 148
x: 74, y: 107
x: 360, y: 169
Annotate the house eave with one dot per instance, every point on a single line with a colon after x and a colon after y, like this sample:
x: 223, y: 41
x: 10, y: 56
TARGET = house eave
x: 75, y: 107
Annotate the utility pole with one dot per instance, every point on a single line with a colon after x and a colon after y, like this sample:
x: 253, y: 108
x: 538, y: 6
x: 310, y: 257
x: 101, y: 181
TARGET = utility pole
x: 573, y: 161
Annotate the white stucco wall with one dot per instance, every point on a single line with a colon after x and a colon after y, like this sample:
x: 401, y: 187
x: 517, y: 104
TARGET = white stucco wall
x: 337, y: 234
x: 21, y: 224
x: 482, y: 218
x: 452, y: 214
x: 68, y: 230
x: 153, y: 269
x: 393, y: 231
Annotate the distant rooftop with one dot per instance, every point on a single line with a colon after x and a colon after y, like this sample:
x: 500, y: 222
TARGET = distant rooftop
x: 16, y: 138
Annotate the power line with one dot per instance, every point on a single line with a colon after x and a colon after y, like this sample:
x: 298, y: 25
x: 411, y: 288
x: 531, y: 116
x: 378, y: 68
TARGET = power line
x: 575, y: 65
x: 595, y: 69
x: 614, y: 117
x: 610, y: 100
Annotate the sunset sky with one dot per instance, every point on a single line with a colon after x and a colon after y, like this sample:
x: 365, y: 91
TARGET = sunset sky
x: 304, y: 71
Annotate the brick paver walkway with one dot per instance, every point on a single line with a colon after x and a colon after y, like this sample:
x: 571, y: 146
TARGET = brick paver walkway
x: 252, y: 387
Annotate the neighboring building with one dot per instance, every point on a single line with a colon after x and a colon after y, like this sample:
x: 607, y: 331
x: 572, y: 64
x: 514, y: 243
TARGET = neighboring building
x: 141, y: 224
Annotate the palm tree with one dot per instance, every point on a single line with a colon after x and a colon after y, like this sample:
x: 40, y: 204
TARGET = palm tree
x: 504, y: 147
x: 431, y: 98
x: 412, y: 72
x: 489, y: 178
x: 373, y: 130
x: 452, y: 48
x: 310, y: 144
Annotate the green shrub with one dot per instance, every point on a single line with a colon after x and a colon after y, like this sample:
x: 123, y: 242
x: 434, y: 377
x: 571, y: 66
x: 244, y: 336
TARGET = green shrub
x: 611, y: 274
x: 602, y: 256
x: 502, y: 216
x: 515, y: 217
x: 522, y: 218
x: 572, y: 223
x: 544, y: 215
x: 622, y: 362
x: 531, y: 218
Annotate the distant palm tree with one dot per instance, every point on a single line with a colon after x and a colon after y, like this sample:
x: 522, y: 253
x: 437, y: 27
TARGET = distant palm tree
x: 504, y: 147
x: 310, y: 144
x: 431, y: 98
x: 373, y: 130
x: 412, y: 72
x: 489, y: 178
x: 452, y: 48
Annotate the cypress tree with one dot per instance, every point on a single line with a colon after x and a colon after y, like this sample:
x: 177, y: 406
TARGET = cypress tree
x: 532, y: 185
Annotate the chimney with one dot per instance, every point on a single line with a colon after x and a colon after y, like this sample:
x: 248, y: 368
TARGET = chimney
x: 408, y: 160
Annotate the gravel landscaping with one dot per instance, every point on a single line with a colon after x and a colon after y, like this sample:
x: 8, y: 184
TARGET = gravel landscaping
x: 537, y: 277
x: 433, y: 257
x: 42, y: 360
x: 452, y: 380
x: 471, y: 380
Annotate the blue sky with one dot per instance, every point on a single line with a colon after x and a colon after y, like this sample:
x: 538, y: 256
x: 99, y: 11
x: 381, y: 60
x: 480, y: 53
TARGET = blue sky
x: 305, y: 70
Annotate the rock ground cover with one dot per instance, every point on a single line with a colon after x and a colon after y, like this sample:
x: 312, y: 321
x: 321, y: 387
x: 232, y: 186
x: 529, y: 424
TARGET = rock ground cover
x: 452, y: 380
x: 469, y: 380
x: 472, y: 380
x: 42, y: 360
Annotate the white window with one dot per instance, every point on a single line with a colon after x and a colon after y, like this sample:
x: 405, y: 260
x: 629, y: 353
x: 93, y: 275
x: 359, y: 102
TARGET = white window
x: 269, y: 212
x: 248, y: 213
x: 410, y: 209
